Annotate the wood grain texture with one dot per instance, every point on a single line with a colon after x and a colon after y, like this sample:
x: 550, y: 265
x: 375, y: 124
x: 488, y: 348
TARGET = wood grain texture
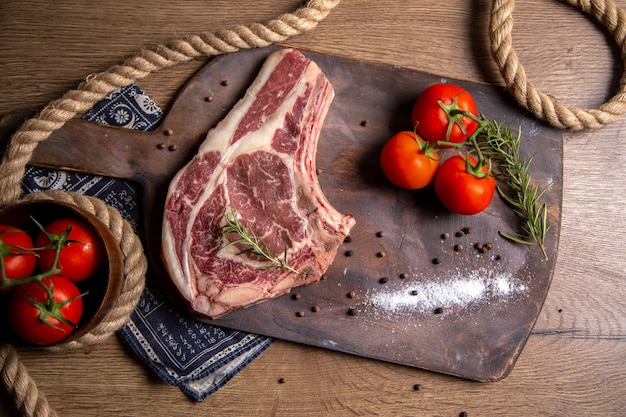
x: 574, y: 362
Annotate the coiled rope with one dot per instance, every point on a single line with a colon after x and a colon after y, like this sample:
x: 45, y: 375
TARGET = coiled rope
x: 544, y: 106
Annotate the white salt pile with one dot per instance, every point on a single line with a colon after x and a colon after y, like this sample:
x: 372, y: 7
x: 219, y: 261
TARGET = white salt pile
x: 460, y: 290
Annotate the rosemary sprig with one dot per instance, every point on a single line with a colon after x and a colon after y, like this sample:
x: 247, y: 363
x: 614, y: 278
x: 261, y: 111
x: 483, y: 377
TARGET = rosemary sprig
x: 504, y: 148
x: 256, y: 245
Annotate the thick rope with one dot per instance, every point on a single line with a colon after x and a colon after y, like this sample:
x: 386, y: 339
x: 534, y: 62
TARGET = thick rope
x: 27, y: 398
x: 544, y: 106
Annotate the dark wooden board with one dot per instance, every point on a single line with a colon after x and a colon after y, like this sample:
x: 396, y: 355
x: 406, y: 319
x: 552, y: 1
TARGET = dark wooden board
x: 488, y: 305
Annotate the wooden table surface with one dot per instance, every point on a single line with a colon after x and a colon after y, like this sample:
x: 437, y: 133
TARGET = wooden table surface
x: 574, y: 363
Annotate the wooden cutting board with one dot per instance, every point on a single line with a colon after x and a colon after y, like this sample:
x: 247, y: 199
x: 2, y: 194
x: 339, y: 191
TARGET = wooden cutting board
x: 383, y: 297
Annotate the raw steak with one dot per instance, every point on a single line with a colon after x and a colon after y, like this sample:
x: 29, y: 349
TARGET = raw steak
x: 260, y: 162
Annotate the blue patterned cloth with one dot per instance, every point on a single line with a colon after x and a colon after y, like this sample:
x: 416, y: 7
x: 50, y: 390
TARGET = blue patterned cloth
x: 196, y: 357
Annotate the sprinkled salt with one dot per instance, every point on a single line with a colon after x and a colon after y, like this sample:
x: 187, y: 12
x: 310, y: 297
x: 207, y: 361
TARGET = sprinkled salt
x: 459, y: 290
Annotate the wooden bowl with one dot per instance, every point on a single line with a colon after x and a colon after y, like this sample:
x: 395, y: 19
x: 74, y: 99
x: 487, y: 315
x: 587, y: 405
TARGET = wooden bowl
x: 103, y: 289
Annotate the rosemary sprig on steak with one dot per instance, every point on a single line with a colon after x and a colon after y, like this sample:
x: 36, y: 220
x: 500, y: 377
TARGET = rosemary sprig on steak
x: 255, y: 245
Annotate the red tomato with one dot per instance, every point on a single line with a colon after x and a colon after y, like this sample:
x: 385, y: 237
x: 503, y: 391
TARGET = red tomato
x: 407, y: 163
x: 83, y: 255
x: 17, y: 263
x: 461, y: 191
x: 25, y: 316
x: 434, y: 124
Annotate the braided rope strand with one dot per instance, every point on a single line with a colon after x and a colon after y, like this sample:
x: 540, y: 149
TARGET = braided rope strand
x: 544, y: 106
x: 16, y: 380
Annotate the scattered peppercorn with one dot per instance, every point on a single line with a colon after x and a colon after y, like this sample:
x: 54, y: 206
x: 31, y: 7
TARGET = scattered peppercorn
x: 478, y: 246
x: 560, y: 310
x: 315, y: 309
x: 225, y: 83
x: 172, y: 147
x: 323, y: 277
x: 414, y: 292
x: 417, y: 387
x: 438, y: 310
x: 489, y: 246
x: 403, y: 275
x: 209, y: 98
x: 348, y: 253
x: 444, y: 236
x: 463, y: 414
x: 364, y: 123
x: 383, y: 280
x: 499, y: 257
x: 458, y: 247
x: 281, y: 380
x: 296, y: 296
x: 381, y: 254
x: 460, y: 233
x: 348, y: 239
x: 161, y: 146
x: 352, y: 311
x: 467, y: 230
x: 380, y: 233
x: 351, y: 294
x: 318, y: 171
x: 300, y: 314
x: 437, y: 261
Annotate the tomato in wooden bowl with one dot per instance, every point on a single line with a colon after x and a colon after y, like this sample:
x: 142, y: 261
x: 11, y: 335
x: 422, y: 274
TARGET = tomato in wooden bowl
x: 85, y: 284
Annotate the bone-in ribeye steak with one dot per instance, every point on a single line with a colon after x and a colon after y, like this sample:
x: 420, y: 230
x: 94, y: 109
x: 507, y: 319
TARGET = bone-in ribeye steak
x: 259, y: 161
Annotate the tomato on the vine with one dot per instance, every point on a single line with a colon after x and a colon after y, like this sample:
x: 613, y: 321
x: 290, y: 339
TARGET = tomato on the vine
x: 81, y: 257
x: 19, y: 260
x: 408, y: 161
x: 436, y: 116
x: 35, y: 319
x: 461, y: 191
